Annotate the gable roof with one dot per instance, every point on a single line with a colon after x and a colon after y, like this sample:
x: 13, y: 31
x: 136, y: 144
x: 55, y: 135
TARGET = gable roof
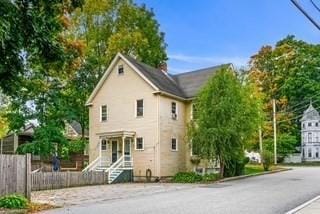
x: 76, y: 126
x: 160, y: 79
x: 184, y: 86
x: 310, y: 114
x: 191, y: 82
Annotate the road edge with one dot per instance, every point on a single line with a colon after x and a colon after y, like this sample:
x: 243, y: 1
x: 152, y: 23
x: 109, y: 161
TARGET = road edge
x: 254, y: 175
x: 300, y: 207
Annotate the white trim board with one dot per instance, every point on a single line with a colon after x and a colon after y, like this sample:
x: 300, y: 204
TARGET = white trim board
x: 300, y: 207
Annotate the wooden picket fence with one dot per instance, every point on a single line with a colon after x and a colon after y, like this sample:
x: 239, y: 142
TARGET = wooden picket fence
x: 57, y: 180
x: 15, y: 175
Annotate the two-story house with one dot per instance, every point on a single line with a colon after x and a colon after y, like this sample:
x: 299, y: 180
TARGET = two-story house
x: 138, y: 117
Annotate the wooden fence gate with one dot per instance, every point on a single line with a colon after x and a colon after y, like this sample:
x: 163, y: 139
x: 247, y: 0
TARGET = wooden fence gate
x: 15, y: 175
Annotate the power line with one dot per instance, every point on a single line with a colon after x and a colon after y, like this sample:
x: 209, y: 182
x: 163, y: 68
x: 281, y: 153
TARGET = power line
x: 296, y: 109
x: 315, y: 5
x: 305, y: 14
x: 296, y: 117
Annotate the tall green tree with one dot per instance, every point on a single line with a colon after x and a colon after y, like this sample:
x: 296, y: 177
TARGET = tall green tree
x: 105, y: 28
x: 227, y: 117
x: 30, y: 34
x: 288, y: 72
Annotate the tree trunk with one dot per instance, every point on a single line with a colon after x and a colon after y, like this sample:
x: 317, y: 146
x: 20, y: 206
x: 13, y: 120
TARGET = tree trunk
x: 221, y: 168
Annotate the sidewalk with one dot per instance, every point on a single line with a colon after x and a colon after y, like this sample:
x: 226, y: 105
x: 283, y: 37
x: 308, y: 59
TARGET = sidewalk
x: 310, y: 207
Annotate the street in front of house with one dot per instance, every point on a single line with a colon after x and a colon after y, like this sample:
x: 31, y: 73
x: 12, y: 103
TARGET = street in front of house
x: 273, y: 193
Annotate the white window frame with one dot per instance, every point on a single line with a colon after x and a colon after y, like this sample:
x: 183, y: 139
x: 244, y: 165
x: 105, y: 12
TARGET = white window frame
x: 309, y: 137
x: 120, y: 66
x: 136, y: 108
x: 136, y: 140
x: 310, y: 152
x: 106, y: 148
x: 174, y: 150
x: 103, y: 121
x: 174, y: 117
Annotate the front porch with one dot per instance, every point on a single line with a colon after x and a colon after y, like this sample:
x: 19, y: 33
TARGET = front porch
x: 115, y: 154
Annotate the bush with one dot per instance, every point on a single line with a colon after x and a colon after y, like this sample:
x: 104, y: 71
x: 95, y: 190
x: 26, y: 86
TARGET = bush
x: 192, y: 177
x: 13, y: 202
x: 187, y: 177
x: 267, y: 159
x: 210, y: 177
x: 236, y: 167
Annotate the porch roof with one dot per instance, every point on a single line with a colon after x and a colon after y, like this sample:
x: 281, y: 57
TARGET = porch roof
x: 114, y: 134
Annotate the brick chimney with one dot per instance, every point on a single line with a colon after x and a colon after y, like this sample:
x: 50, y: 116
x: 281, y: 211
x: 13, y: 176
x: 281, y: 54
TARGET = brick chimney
x: 163, y: 67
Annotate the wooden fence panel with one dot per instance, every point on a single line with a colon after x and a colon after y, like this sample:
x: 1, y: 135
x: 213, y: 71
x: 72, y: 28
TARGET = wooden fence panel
x: 15, y: 174
x: 57, y: 180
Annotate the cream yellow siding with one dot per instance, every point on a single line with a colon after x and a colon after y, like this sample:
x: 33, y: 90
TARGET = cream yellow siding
x: 172, y: 161
x: 119, y: 93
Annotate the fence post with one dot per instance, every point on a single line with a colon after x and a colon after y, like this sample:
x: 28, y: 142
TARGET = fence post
x: 28, y: 177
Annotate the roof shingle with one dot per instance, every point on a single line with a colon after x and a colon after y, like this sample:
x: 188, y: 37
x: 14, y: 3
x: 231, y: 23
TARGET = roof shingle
x: 184, y: 85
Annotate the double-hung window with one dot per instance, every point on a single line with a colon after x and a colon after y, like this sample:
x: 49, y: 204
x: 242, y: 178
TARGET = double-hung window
x: 139, y: 108
x: 174, y: 144
x: 174, y: 112
x: 103, y: 113
x: 103, y: 145
x: 139, y: 143
x: 120, y: 70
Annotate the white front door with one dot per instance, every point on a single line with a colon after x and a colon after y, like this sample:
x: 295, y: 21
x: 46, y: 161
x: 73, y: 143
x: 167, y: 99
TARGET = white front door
x: 104, y: 153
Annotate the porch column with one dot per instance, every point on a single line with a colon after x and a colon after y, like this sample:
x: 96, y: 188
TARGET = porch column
x: 123, y: 139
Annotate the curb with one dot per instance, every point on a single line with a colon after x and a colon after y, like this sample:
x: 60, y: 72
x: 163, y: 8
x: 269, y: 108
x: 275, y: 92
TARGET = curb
x: 300, y: 207
x: 253, y: 175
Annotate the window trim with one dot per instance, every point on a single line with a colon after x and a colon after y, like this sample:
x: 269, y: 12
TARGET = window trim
x: 135, y: 147
x: 176, y: 111
x: 101, y: 145
x: 101, y: 106
x: 310, y: 137
x: 310, y: 155
x: 136, y: 108
x: 120, y: 67
x: 174, y: 150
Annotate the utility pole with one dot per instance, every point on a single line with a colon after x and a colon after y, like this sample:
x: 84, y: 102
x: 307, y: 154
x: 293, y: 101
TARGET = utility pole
x: 260, y: 144
x: 274, y: 131
x: 260, y: 140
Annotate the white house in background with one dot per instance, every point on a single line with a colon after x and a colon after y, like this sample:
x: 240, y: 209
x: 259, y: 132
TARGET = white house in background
x: 310, y: 135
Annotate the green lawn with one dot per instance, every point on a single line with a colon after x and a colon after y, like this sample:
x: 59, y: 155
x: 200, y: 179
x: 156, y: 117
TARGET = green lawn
x: 253, y: 169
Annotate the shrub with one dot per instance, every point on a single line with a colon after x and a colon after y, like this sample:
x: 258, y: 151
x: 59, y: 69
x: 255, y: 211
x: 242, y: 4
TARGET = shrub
x: 192, y: 177
x: 236, y: 167
x: 13, y: 202
x: 187, y: 177
x: 267, y: 158
x: 210, y: 177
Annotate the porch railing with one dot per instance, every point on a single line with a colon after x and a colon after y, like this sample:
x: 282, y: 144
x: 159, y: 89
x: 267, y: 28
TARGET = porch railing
x: 92, y: 165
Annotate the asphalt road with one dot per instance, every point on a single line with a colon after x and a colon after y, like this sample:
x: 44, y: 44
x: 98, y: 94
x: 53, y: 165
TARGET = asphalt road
x: 273, y: 193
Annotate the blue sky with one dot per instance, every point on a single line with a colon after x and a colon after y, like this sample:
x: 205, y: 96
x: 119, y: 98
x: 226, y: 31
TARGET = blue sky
x: 202, y: 33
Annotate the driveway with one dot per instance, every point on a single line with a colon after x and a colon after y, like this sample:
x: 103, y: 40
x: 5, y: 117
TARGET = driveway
x: 273, y: 193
